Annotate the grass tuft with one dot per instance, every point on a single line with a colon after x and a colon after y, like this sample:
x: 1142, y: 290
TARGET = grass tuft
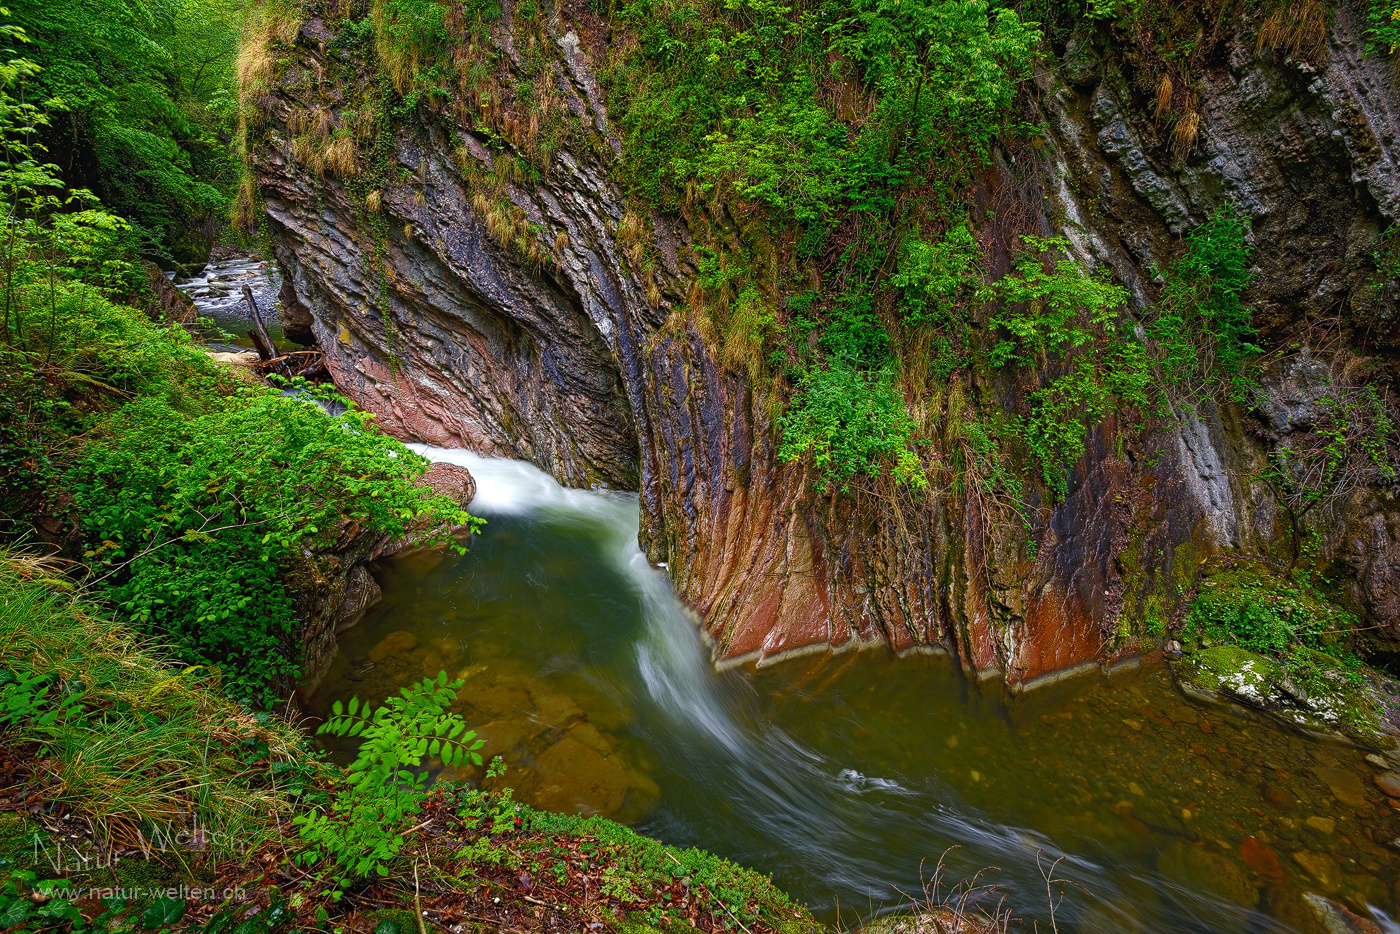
x: 140, y: 750
x: 1294, y: 28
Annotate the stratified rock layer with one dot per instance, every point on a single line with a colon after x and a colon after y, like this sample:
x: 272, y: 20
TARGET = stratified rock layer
x: 585, y: 365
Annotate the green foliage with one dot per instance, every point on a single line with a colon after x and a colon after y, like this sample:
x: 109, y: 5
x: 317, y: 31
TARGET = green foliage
x: 1202, y: 335
x: 851, y: 422
x: 787, y: 155
x: 1065, y: 410
x: 192, y: 515
x: 362, y: 832
x: 146, y: 87
x: 754, y: 69
x: 936, y: 280
x: 27, y: 702
x: 195, y: 492
x: 1052, y: 307
x: 62, y: 338
x: 1386, y: 255
x: 1292, y: 622
x: 637, y: 866
x: 1268, y: 615
x: 1382, y: 26
x: 1050, y: 304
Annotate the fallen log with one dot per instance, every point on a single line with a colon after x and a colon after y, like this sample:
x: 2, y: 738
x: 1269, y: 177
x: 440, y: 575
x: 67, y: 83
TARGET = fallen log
x: 258, y: 333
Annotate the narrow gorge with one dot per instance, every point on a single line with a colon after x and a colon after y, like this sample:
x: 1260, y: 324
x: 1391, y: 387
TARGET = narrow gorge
x: 481, y: 274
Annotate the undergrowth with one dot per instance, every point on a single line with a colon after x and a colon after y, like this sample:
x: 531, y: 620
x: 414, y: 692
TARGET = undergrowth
x: 142, y: 751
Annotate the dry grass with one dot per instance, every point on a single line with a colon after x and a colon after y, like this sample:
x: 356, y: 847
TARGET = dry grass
x: 749, y: 326
x: 1296, y: 27
x: 1184, y: 133
x: 373, y: 201
x: 341, y: 158
x: 147, y: 748
x: 1164, y: 96
x: 631, y: 236
x: 269, y: 26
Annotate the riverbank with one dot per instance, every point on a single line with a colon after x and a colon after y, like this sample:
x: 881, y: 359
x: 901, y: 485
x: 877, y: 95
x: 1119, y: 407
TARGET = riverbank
x: 135, y: 791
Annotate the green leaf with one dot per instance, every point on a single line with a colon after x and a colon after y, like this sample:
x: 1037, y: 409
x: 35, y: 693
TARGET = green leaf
x: 354, y: 705
x: 163, y: 911
x: 14, y: 911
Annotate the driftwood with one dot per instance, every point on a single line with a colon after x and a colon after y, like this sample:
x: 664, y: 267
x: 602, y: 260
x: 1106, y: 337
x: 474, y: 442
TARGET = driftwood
x: 258, y: 333
x: 305, y: 363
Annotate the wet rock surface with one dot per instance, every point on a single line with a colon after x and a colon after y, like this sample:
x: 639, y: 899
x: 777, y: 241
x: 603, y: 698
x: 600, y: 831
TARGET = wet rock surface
x: 584, y: 363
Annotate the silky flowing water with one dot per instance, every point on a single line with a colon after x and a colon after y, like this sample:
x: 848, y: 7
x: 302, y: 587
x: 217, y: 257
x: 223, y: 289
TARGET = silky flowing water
x: 847, y: 776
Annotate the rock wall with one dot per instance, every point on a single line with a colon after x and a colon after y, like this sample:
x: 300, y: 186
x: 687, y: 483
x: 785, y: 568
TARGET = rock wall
x: 588, y: 365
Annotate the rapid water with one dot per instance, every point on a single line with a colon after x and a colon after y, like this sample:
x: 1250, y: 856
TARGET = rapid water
x: 848, y: 776
x: 217, y: 293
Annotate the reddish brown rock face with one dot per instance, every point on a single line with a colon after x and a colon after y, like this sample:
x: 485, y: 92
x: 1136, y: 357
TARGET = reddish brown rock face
x: 450, y: 338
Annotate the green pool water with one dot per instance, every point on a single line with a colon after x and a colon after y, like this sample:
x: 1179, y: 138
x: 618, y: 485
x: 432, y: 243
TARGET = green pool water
x: 848, y: 776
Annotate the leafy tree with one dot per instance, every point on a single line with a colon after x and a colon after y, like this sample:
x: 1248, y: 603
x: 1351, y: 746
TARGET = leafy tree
x: 147, y: 106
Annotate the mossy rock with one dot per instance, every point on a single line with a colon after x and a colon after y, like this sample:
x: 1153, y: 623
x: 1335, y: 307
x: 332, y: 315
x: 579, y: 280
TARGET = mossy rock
x: 1327, y: 701
x: 16, y: 848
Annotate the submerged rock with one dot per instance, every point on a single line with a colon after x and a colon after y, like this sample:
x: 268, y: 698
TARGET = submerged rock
x: 1336, y: 918
x: 395, y: 643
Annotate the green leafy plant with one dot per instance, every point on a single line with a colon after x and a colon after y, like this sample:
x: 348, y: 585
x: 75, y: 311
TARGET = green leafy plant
x: 1353, y: 442
x: 936, y: 280
x: 1057, y: 312
x: 1382, y: 26
x: 26, y: 702
x: 195, y: 518
x: 1050, y: 304
x: 1202, y: 336
x: 362, y: 832
x: 852, y: 423
x: 147, y: 92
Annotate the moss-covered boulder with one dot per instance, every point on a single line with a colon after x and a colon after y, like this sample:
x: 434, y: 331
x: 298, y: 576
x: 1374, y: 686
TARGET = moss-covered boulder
x: 1308, y: 689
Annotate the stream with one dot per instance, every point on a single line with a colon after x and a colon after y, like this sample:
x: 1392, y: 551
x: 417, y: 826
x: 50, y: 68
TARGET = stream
x: 217, y: 293
x: 848, y: 776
